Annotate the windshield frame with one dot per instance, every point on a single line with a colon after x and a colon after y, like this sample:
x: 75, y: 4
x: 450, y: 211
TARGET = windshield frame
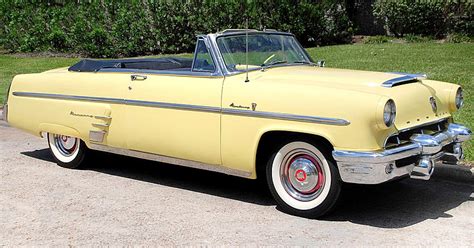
x: 254, y: 32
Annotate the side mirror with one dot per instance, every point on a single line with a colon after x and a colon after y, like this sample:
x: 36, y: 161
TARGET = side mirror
x: 321, y: 63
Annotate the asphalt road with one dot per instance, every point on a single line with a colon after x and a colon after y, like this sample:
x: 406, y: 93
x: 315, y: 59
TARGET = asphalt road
x: 125, y: 201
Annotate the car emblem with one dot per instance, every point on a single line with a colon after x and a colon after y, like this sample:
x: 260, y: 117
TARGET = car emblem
x: 254, y: 106
x: 434, y: 106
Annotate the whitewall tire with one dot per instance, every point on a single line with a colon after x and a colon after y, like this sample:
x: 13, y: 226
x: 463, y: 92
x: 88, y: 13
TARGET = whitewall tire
x: 302, y: 179
x: 69, y: 152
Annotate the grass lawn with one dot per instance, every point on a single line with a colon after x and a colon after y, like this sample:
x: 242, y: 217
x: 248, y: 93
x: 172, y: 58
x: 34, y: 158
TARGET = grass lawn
x: 445, y: 62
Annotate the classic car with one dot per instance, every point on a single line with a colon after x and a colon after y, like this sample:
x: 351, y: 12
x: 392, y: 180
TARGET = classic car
x: 252, y: 104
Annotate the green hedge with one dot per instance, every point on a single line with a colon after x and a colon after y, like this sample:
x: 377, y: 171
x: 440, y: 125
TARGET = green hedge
x: 436, y: 18
x: 110, y: 28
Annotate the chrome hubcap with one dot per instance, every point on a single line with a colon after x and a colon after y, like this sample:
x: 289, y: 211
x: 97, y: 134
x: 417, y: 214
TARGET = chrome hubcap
x: 302, y: 175
x: 65, y: 144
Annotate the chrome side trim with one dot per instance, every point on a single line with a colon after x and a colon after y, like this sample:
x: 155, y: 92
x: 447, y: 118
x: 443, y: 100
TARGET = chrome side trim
x: 173, y: 106
x: 120, y: 101
x: 289, y: 117
x: 103, y: 117
x: 170, y: 160
x: 104, y: 125
x: 227, y: 111
x: 406, y: 78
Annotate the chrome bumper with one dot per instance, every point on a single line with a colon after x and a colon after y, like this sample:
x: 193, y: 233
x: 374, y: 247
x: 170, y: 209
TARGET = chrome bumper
x: 416, y: 158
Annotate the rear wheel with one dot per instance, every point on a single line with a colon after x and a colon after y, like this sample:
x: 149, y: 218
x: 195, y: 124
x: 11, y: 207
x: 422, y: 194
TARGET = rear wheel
x: 69, y: 152
x: 303, y: 180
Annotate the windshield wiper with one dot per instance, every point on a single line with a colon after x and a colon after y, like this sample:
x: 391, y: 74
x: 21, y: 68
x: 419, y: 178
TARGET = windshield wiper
x: 275, y: 63
x: 303, y: 62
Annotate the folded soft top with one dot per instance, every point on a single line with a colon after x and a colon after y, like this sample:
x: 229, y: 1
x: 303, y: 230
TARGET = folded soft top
x: 91, y: 65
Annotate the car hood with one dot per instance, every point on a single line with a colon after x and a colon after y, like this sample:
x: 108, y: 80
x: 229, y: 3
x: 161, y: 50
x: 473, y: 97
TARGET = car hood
x: 412, y: 97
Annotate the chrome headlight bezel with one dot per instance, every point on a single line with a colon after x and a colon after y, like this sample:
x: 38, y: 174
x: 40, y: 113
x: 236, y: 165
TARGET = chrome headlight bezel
x: 459, y: 98
x: 389, y: 113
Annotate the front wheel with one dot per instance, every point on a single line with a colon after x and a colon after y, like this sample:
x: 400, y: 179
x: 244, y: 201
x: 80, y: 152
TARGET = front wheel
x: 69, y: 152
x: 302, y: 180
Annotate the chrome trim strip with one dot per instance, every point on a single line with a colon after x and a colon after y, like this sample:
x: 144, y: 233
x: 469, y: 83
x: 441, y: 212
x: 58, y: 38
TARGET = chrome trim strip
x: 288, y: 117
x: 100, y: 125
x: 227, y: 111
x: 171, y: 160
x: 173, y: 106
x: 103, y: 117
x: 121, y: 101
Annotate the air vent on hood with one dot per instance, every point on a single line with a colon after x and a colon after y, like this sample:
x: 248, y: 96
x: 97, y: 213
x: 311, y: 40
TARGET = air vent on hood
x: 405, y: 79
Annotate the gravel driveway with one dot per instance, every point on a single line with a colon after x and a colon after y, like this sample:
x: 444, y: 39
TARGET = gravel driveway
x: 125, y: 201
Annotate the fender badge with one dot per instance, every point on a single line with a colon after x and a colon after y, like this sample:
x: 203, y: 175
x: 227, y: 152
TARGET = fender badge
x: 80, y: 115
x: 254, y: 106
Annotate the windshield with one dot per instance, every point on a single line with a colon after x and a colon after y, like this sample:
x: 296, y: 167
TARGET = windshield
x: 264, y: 50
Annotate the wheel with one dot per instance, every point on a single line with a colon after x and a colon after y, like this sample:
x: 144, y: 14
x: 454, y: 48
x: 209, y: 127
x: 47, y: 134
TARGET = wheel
x: 303, y: 180
x: 69, y: 152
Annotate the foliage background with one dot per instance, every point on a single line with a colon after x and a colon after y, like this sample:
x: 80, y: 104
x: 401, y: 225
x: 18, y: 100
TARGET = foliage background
x: 435, y: 18
x: 110, y: 28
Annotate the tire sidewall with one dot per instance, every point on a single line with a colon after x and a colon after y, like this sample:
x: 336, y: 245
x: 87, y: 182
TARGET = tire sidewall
x: 316, y: 207
x: 72, y: 162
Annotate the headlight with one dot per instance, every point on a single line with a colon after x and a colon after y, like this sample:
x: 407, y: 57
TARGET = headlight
x: 459, y: 98
x: 389, y: 113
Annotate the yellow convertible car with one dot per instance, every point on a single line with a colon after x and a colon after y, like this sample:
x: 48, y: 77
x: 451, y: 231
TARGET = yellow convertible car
x: 251, y: 104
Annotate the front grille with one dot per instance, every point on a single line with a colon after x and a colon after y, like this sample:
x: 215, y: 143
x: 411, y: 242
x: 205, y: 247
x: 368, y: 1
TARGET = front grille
x: 403, y: 136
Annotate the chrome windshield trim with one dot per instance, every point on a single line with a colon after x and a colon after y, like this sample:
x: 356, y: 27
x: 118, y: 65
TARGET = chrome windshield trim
x: 212, y: 39
x: 210, y: 109
x: 288, y: 117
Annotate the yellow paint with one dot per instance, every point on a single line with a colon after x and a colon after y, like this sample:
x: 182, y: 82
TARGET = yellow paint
x: 225, y: 140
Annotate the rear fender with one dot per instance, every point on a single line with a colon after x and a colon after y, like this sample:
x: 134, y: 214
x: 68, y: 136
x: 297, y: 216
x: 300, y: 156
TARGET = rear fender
x: 58, y: 129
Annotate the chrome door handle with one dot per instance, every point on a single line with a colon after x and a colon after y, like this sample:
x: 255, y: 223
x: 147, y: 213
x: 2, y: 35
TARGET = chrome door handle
x: 138, y: 77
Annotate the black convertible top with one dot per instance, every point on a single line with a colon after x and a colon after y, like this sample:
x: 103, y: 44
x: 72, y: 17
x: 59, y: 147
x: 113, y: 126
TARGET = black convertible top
x: 92, y: 65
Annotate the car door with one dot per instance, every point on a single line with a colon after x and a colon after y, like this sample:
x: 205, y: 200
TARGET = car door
x: 177, y: 114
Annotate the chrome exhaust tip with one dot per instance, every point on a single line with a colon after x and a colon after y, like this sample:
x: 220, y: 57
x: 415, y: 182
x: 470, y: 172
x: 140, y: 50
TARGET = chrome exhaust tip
x: 424, y: 169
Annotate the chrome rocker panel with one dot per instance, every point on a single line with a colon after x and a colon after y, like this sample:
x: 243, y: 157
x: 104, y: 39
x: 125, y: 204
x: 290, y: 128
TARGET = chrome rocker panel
x: 380, y: 166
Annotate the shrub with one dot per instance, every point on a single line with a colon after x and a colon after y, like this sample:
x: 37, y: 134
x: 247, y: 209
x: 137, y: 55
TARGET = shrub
x: 111, y: 28
x: 411, y: 38
x: 459, y: 38
x: 426, y: 17
x: 379, y: 39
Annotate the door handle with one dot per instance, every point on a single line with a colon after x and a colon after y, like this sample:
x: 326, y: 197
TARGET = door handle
x: 138, y: 77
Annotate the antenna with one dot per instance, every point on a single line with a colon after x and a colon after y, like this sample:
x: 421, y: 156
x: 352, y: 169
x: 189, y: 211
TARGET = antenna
x: 247, y: 50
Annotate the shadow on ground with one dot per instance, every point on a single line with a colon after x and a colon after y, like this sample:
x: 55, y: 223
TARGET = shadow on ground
x: 392, y: 205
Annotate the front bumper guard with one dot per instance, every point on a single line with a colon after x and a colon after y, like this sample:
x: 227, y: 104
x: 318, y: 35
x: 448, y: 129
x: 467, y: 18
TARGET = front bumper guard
x: 425, y: 151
